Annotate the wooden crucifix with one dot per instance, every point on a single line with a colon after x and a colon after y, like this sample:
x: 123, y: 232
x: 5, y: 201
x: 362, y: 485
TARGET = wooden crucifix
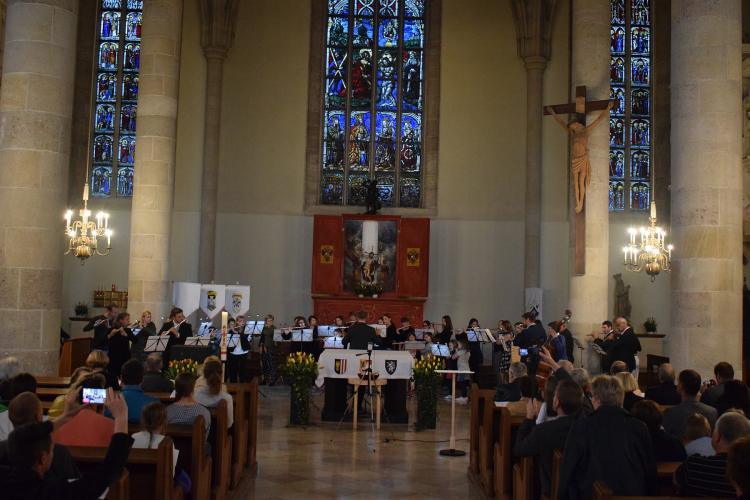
x: 580, y: 165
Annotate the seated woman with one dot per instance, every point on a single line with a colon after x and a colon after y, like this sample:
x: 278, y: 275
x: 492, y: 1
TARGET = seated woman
x: 633, y: 395
x: 546, y: 411
x: 154, y: 423
x: 210, y: 394
x: 98, y: 362
x: 666, y: 448
x: 58, y: 406
x: 558, y: 342
x: 186, y: 409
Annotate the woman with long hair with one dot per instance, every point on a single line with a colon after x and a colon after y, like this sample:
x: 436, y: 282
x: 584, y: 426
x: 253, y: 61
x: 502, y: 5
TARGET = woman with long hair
x: 447, y: 331
x: 98, y: 361
x: 186, y: 409
x: 120, y: 336
x: 147, y: 329
x: 210, y: 394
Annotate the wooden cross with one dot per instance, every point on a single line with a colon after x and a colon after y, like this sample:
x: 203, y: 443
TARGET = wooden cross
x: 580, y: 107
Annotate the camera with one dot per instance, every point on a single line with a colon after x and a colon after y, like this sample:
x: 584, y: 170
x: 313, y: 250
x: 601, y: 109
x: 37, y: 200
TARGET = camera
x: 523, y: 352
x: 94, y: 396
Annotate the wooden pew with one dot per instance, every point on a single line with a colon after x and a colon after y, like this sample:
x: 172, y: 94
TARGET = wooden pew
x: 52, y: 381
x: 249, y: 394
x: 509, y: 421
x: 479, y: 400
x: 221, y: 443
x: 50, y: 393
x: 74, y: 354
x: 239, y: 433
x: 523, y: 479
x: 555, y: 482
x: 602, y: 492
x: 191, y: 441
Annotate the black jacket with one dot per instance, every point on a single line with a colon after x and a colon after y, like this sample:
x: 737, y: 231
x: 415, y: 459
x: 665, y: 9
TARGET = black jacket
x: 24, y: 484
x: 100, y: 342
x: 570, y: 346
x: 530, y: 337
x: 625, y: 348
x: 611, y: 446
x: 509, y: 392
x: 667, y: 448
x: 664, y: 394
x: 391, y: 336
x: 543, y: 440
x: 63, y: 466
x: 183, y: 332
x: 359, y: 335
x: 155, y: 382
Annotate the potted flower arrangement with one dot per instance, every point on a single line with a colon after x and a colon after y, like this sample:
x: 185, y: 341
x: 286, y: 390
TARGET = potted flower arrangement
x: 362, y: 289
x: 179, y: 366
x: 650, y: 325
x: 304, y: 369
x: 81, y: 309
x: 428, y: 383
x: 375, y: 290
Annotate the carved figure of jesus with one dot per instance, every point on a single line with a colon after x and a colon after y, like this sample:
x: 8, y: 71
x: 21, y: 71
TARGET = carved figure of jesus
x: 580, y: 165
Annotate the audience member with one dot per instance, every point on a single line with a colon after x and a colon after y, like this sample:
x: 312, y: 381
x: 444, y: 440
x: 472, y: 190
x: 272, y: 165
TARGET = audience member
x: 618, y: 367
x: 512, y: 390
x: 712, y: 389
x: 20, y: 383
x: 582, y: 378
x: 543, y: 439
x: 154, y: 424
x: 547, y: 411
x: 698, y: 431
x: 632, y: 393
x: 30, y: 448
x: 211, y: 394
x: 738, y: 463
x: 58, y: 405
x: 185, y: 409
x: 89, y: 427
x: 666, y: 392
x: 609, y: 445
x: 131, y: 375
x: 26, y: 408
x: 735, y: 395
x: 98, y: 362
x: 701, y: 476
x: 666, y: 448
x: 562, y: 370
x: 688, y: 385
x: 9, y: 368
x: 153, y: 378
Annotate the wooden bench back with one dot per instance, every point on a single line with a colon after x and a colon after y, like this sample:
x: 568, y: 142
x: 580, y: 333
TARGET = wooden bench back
x: 602, y: 492
x: 191, y: 441
x: 221, y: 444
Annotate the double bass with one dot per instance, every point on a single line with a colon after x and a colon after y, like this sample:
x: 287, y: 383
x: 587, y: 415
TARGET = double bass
x: 543, y: 370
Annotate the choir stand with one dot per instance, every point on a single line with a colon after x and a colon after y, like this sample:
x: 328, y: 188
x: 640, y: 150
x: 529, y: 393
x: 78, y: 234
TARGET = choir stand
x: 453, y: 452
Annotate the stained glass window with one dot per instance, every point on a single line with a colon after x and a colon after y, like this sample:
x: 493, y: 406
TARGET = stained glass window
x: 630, y: 122
x: 373, y: 99
x: 116, y: 97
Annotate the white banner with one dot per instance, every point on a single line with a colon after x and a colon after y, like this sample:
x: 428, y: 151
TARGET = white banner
x: 212, y: 299
x: 344, y: 363
x: 534, y: 301
x: 186, y: 296
x: 237, y: 300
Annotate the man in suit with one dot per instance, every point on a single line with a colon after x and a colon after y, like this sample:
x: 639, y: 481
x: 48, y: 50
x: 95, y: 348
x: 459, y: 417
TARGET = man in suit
x: 626, y: 347
x: 531, y: 336
x: 542, y: 440
x: 666, y: 392
x: 606, y: 344
x: 178, y: 330
x: 710, y: 393
x: 688, y: 385
x: 360, y: 334
x: 609, y: 445
x: 153, y: 378
x: 569, y: 344
x: 512, y: 391
x: 101, y: 325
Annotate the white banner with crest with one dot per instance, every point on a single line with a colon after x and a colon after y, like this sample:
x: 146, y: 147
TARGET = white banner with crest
x: 534, y: 301
x: 212, y: 299
x: 237, y: 300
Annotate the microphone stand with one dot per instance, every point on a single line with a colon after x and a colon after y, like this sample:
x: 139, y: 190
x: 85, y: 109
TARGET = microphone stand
x: 368, y: 374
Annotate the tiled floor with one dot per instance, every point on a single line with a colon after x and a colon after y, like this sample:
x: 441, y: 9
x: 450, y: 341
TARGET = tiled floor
x: 320, y: 462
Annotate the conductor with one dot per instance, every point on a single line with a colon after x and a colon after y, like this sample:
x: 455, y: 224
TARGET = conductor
x: 360, y: 334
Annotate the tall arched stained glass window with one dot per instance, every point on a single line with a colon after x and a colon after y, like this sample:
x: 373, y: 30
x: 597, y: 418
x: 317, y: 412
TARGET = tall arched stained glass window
x: 630, y: 119
x: 373, y: 102
x: 118, y: 54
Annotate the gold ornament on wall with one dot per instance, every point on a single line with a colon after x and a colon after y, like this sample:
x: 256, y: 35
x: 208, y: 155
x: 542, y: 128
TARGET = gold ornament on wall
x: 326, y: 254
x: 412, y: 257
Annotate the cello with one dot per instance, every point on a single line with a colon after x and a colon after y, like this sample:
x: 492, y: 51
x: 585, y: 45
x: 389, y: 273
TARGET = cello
x: 543, y: 370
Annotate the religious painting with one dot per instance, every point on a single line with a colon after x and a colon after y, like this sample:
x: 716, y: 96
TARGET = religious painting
x: 338, y: 31
x: 337, y: 71
x: 616, y: 163
x: 641, y: 12
x: 617, y: 70
x: 640, y: 196
x: 102, y: 149
x: 414, y: 8
x: 332, y: 189
x: 105, y: 118
x: 111, y: 4
x: 617, y: 35
x: 127, y: 149
x: 413, y: 33
x: 370, y: 253
x: 110, y: 26
x: 387, y: 94
x: 410, y: 192
x: 640, y: 102
x: 618, y: 12
x: 128, y: 116
x: 362, y: 32
x: 640, y: 165
x: 130, y: 88
x: 326, y: 254
x: 385, y: 187
x: 108, y: 55
x: 641, y: 71
x: 412, y: 257
x: 133, y: 26
x: 616, y: 132
x: 385, y: 147
x: 357, y: 189
x: 640, y: 40
x: 411, y: 143
x: 640, y: 133
x: 132, y: 57
x: 388, y: 32
x: 616, y: 196
x: 135, y: 4
x: 618, y: 95
x: 106, y: 89
x: 125, y: 181
x: 101, y: 181
x: 359, y: 145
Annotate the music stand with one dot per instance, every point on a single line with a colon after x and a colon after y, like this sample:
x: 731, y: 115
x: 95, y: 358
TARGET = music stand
x: 453, y: 452
x: 333, y: 343
x: 440, y: 350
x: 202, y: 341
x: 254, y: 327
x: 413, y: 345
x: 278, y: 336
x: 471, y: 336
x: 233, y: 340
x: 326, y: 331
x: 156, y: 343
x: 304, y: 335
x: 381, y: 329
x: 580, y: 346
x: 420, y: 332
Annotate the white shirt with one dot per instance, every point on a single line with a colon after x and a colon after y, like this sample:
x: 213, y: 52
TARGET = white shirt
x: 543, y: 415
x: 701, y: 446
x: 141, y: 441
x: 6, y: 426
x: 203, y: 396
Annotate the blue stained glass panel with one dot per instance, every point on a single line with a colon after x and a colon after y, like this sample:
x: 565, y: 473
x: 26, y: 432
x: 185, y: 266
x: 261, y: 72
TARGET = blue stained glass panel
x: 131, y: 59
x: 364, y: 7
x: 357, y: 189
x: 616, y: 163
x: 618, y: 94
x: 413, y: 64
x: 125, y: 181
x: 385, y: 147
x: 640, y: 101
x: 388, y: 32
x: 127, y: 120
x: 410, y: 192
x: 388, y: 7
x: 640, y: 165
x: 333, y: 148
x: 639, y: 196
x: 359, y: 126
x: 335, y: 95
x: 412, y: 95
x: 414, y: 8
x: 135, y: 4
x: 387, y: 94
x: 617, y: 40
x: 101, y: 181
x: 106, y: 87
x: 338, y: 31
x: 411, y: 149
x: 337, y: 64
x: 640, y: 133
x: 618, y: 12
x: 110, y: 25
x: 616, y: 196
x: 641, y: 70
x: 387, y: 63
x: 617, y: 70
x: 333, y: 155
x: 108, y: 55
x: 102, y: 149
x: 385, y: 185
x: 332, y: 187
x: 362, y: 32
x: 413, y: 33
x: 335, y: 125
x: 338, y: 6
x: 133, y: 23
x: 127, y: 150
x: 640, y: 14
x: 105, y: 118
x: 616, y: 132
x: 130, y: 88
x: 111, y: 4
x: 640, y: 40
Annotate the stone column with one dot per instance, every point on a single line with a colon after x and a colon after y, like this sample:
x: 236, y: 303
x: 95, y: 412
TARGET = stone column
x: 590, y: 67
x: 36, y: 106
x: 706, y: 281
x: 153, y: 180
x: 218, y: 23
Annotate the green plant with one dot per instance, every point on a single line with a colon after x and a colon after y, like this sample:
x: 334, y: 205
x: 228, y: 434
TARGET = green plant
x: 81, y: 308
x: 362, y: 289
x: 428, y: 383
x: 376, y: 289
x: 179, y: 366
x: 650, y: 325
x: 304, y: 369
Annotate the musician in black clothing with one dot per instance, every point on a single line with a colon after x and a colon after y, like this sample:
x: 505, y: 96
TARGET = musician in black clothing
x: 569, y: 344
x: 447, y: 331
x: 178, y: 330
x: 626, y: 347
x: 606, y: 344
x: 101, y: 325
x: 391, y: 334
x: 405, y: 330
x: 532, y: 336
x: 360, y: 334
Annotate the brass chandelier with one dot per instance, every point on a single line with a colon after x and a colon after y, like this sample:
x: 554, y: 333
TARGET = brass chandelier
x: 650, y: 253
x: 83, y: 233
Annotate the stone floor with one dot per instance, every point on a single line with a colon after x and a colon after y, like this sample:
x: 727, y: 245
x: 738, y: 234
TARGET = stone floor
x: 321, y: 462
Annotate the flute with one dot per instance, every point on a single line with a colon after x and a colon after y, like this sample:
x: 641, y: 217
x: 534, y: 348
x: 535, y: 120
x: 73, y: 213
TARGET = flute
x: 175, y: 327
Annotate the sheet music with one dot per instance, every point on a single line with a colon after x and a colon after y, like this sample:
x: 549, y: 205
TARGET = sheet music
x: 412, y: 345
x: 156, y: 343
x: 233, y: 340
x: 304, y: 335
x: 381, y: 329
x: 420, y: 332
x: 278, y: 338
x: 333, y: 343
x: 440, y: 350
x: 254, y: 327
x: 205, y: 329
x: 203, y: 341
x: 472, y: 336
x: 490, y: 336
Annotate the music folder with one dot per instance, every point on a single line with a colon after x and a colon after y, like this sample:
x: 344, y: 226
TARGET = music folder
x: 440, y: 350
x: 204, y: 341
x: 597, y: 349
x: 156, y: 343
x: 490, y: 337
